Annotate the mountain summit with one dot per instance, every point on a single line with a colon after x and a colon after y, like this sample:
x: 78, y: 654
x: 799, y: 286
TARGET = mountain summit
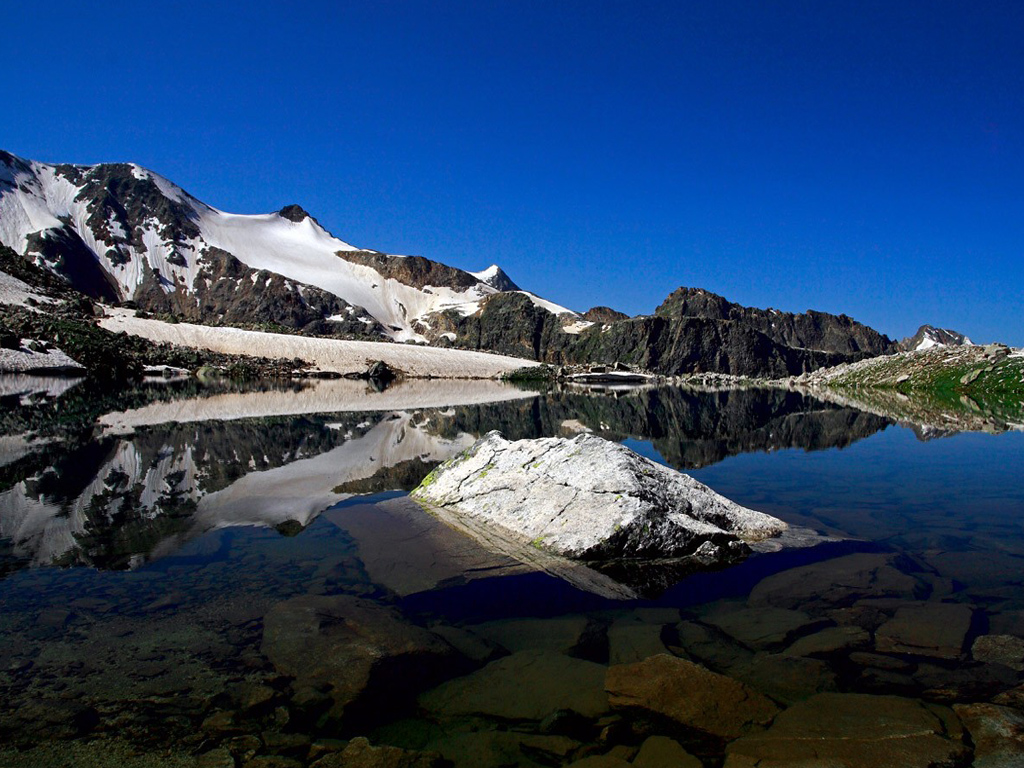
x: 929, y: 336
x: 119, y: 232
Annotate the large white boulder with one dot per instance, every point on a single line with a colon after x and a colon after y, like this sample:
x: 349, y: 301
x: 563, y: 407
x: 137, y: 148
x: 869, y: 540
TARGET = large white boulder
x: 587, y: 498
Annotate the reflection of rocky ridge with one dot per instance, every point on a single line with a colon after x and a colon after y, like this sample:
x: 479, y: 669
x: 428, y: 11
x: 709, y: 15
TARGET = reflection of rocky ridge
x: 688, y: 428
x: 115, y: 503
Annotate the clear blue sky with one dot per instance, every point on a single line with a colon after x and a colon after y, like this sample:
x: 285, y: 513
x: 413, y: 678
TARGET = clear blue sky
x: 858, y: 157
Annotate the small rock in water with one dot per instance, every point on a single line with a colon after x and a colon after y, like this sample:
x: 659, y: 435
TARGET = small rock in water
x: 592, y: 499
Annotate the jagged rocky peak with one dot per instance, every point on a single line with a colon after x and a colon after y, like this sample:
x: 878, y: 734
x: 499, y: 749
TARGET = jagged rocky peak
x: 929, y: 336
x: 807, y: 330
x: 295, y: 213
x: 695, y: 302
x: 496, y: 277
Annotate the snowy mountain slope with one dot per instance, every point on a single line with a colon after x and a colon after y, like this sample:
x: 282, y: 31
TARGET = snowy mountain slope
x: 120, y: 232
x: 929, y: 336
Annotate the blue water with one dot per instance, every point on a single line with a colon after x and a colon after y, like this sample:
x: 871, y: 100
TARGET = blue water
x: 154, y: 650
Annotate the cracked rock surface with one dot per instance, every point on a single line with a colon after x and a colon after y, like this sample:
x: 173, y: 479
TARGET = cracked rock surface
x: 592, y: 499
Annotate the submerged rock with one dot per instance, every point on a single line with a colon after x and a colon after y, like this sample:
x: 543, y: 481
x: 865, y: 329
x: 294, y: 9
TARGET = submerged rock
x: 997, y: 733
x: 690, y: 695
x: 854, y: 730
x: 361, y: 754
x: 357, y: 649
x: 587, y: 498
x: 926, y: 629
x: 836, y: 583
x: 1000, y: 649
x: 528, y: 685
x: 762, y: 628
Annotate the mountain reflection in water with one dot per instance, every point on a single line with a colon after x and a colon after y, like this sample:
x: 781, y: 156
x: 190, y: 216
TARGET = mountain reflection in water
x: 244, y: 602
x: 117, y: 501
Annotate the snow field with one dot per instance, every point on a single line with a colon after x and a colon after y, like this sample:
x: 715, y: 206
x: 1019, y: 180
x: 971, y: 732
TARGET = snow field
x: 335, y: 355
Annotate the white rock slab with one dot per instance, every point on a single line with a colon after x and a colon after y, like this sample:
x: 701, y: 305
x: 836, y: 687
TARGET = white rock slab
x: 591, y: 499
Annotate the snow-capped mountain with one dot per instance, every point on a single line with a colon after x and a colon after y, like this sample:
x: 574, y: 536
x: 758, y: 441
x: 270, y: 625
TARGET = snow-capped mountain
x: 122, y: 233
x: 929, y: 336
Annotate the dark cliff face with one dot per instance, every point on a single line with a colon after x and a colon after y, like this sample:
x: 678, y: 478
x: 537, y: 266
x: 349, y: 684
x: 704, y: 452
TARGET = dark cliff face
x: 67, y: 255
x: 227, y: 291
x: 511, y: 324
x: 678, y: 345
x: 809, y: 330
x: 416, y: 271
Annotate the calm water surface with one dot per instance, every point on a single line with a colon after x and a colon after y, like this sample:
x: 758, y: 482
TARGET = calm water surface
x: 258, y: 590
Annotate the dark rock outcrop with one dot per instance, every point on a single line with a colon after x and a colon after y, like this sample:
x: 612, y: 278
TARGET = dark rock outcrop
x: 604, y: 315
x: 678, y: 345
x: 511, y: 324
x: 809, y: 330
x: 226, y: 291
x: 416, y: 271
x: 295, y: 213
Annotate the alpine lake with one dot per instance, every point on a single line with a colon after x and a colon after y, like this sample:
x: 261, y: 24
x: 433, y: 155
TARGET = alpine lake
x: 207, y: 576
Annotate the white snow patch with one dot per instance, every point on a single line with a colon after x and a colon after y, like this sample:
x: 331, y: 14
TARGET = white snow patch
x: 550, y: 306
x: 321, y: 396
x: 18, y: 292
x: 326, y: 354
x: 25, y: 360
x: 577, y: 327
x: 488, y: 274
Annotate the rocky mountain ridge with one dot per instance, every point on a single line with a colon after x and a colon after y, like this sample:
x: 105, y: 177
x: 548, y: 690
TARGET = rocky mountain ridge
x: 808, y: 330
x: 124, y: 235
